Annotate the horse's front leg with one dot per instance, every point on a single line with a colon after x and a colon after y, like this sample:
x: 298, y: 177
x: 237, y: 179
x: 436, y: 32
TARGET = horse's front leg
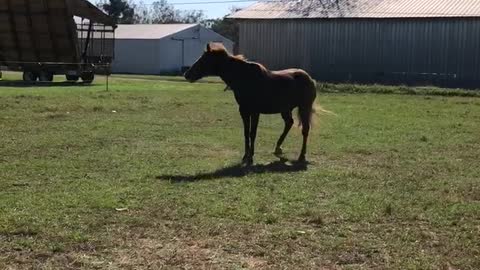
x: 254, y: 117
x: 247, y: 159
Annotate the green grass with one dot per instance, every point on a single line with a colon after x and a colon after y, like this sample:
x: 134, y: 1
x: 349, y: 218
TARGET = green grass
x: 143, y: 176
x: 401, y: 90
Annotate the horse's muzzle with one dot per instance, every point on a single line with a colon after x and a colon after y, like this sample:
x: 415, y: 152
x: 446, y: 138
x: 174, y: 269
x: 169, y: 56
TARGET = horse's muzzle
x: 188, y: 76
x: 185, y: 75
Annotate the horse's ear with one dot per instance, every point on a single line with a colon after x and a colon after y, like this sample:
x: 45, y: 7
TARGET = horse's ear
x: 208, y: 47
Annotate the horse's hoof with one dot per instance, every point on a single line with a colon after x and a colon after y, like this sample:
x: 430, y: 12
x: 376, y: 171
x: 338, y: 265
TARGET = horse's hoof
x: 278, y: 152
x: 247, y: 161
x: 302, y: 159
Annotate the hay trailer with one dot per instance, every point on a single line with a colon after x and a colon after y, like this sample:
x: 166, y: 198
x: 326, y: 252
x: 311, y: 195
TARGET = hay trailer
x: 43, y: 38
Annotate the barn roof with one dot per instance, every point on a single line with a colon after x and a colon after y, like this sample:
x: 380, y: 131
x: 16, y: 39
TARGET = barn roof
x: 149, y: 31
x: 309, y: 9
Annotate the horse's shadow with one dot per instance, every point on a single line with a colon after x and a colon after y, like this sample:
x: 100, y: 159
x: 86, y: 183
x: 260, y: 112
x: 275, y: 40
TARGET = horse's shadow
x: 239, y: 170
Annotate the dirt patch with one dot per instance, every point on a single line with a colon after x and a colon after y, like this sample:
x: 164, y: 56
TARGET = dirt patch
x: 151, y: 252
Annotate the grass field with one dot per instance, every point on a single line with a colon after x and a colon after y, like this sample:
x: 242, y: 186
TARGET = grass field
x: 145, y: 176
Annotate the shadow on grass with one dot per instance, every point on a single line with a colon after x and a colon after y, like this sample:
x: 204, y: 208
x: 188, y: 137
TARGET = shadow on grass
x: 23, y: 84
x: 239, y: 170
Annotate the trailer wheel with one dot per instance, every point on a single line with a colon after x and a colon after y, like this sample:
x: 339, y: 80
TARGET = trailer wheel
x: 45, y: 76
x: 72, y: 78
x: 88, y: 77
x: 29, y: 76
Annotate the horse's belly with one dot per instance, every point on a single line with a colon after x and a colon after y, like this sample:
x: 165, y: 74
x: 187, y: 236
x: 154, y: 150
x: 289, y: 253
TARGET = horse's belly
x: 269, y: 101
x: 274, y: 109
x: 269, y: 106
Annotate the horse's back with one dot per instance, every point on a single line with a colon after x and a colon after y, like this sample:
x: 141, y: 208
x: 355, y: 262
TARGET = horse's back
x: 289, y: 72
x: 285, y: 90
x: 285, y: 78
x: 293, y: 79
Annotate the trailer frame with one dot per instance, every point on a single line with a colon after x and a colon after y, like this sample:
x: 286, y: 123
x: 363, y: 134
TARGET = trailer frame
x: 50, y: 37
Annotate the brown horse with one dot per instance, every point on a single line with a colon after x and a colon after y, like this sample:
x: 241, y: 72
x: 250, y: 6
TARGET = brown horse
x: 258, y: 90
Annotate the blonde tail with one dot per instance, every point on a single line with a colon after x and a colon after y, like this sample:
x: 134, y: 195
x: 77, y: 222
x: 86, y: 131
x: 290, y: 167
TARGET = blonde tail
x: 317, y: 109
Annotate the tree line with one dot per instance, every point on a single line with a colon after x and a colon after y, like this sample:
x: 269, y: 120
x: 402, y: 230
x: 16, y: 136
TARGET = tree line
x: 161, y: 12
x: 130, y: 12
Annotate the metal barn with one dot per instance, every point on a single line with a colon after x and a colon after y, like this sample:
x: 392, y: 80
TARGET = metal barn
x: 47, y: 37
x: 161, y: 48
x: 382, y: 41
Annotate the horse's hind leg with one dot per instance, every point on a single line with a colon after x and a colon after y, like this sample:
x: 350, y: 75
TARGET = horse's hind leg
x: 305, y: 117
x: 288, y: 119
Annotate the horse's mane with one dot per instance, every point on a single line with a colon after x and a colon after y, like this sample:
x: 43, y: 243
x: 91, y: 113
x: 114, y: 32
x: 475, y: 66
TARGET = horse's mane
x: 240, y: 57
x: 219, y: 48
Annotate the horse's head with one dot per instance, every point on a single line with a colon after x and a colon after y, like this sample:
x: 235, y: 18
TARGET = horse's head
x: 209, y: 64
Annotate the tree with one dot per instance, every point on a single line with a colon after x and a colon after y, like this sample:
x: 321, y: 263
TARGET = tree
x: 121, y: 11
x: 163, y: 12
x: 226, y: 27
x: 191, y: 16
x: 141, y: 14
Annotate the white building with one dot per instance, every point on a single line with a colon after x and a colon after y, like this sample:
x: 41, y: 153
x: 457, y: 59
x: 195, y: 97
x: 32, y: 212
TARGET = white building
x: 161, y: 48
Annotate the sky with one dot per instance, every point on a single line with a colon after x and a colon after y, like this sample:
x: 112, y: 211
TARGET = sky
x: 215, y: 10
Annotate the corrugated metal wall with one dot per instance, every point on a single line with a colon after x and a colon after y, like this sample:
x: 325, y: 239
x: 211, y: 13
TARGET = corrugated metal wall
x: 433, y: 51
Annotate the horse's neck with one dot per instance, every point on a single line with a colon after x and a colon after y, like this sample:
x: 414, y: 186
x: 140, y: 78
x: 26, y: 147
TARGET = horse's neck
x: 233, y: 73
